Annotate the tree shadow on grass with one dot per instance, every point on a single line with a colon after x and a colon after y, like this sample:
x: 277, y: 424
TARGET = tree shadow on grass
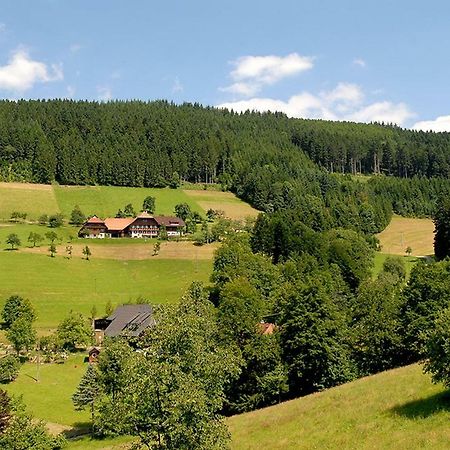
x: 421, y: 409
x: 79, y: 430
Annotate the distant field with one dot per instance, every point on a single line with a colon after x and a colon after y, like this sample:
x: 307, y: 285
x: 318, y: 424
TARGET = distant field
x: 403, y: 232
x: 398, y: 409
x: 57, y: 285
x: 233, y: 207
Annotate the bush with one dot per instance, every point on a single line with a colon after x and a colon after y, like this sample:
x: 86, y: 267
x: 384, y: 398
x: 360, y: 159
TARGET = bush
x: 55, y: 221
x: 9, y: 368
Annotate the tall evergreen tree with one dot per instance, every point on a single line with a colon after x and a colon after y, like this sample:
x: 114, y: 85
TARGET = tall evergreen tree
x: 442, y: 229
x: 87, y: 391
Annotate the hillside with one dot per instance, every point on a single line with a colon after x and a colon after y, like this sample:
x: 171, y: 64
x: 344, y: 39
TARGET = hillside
x: 391, y: 410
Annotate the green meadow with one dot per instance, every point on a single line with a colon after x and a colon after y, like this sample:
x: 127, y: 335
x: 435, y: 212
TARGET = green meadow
x: 409, y: 261
x: 57, y: 285
x: 398, y: 409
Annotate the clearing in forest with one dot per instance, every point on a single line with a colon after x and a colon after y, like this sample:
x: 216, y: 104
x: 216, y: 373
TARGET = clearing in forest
x: 405, y: 232
x: 233, y: 207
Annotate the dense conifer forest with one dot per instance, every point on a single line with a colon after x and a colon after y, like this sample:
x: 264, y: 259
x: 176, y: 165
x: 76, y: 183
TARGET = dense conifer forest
x: 274, y: 162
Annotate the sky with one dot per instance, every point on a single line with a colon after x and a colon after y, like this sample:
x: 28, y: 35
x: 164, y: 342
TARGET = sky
x: 339, y: 60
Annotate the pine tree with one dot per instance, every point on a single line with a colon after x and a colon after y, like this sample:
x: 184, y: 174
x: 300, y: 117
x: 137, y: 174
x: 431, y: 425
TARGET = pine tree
x: 87, y: 391
x: 442, y: 230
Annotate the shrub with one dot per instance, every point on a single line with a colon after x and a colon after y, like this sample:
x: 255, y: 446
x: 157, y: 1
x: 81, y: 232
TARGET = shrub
x: 9, y: 368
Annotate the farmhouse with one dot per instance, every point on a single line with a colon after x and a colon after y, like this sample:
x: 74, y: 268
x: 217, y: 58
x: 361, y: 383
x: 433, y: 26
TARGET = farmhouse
x: 144, y: 225
x: 126, y: 320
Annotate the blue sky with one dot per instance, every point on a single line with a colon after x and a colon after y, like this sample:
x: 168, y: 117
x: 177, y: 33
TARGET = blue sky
x: 340, y: 60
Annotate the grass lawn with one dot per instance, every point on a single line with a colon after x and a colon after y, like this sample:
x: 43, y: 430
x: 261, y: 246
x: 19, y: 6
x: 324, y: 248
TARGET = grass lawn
x: 57, y: 285
x: 34, y: 199
x: 398, y: 409
x: 381, y: 257
x: 106, y: 200
x: 404, y: 232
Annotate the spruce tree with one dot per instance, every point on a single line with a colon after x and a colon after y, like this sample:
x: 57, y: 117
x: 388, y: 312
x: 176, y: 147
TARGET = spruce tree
x: 87, y: 391
x: 442, y: 229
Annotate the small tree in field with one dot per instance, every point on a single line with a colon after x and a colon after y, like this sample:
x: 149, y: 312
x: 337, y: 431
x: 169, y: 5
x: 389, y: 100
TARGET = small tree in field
x: 108, y: 308
x: 35, y: 238
x: 55, y: 221
x: 15, y: 308
x: 87, y: 391
x: 9, y: 368
x: 13, y: 240
x: 129, y: 210
x: 149, y: 204
x: 156, y: 248
x: 76, y: 216
x: 69, y: 250
x: 51, y: 236
x: 21, y: 334
x: 87, y: 252
x: 52, y: 249
x: 74, y: 330
x: 408, y: 250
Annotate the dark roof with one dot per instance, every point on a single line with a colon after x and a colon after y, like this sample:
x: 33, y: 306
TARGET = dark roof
x: 170, y: 221
x: 130, y: 320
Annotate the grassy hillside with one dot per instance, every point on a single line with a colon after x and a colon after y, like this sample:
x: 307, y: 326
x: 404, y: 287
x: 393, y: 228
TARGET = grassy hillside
x: 57, y: 285
x: 403, y: 232
x: 37, y: 199
x: 398, y: 409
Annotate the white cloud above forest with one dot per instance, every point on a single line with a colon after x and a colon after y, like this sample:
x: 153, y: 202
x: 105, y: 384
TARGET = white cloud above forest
x: 252, y: 73
x: 440, y: 124
x: 346, y: 101
x: 104, y: 93
x: 21, y: 72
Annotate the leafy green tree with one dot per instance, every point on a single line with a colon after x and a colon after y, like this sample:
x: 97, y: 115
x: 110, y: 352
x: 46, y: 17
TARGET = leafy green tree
x: 163, y: 235
x: 9, y: 368
x: 53, y: 250
x: 108, y: 308
x: 170, y: 393
x: 69, y: 250
x: 74, y: 331
x: 56, y: 221
x: 182, y: 210
x: 87, y: 391
x: 87, y: 252
x: 13, y: 240
x: 15, y: 308
x: 120, y: 214
x: 77, y: 216
x: 51, y: 236
x: 19, y: 430
x: 442, y: 229
x: 129, y: 210
x: 149, y: 204
x: 437, y: 349
x: 174, y: 181
x: 21, y: 334
x: 395, y: 266
x: 156, y: 248
x: 35, y: 238
x: 408, y: 250
x: 43, y: 219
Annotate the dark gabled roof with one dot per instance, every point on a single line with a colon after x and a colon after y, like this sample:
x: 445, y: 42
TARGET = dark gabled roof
x: 130, y: 320
x: 169, y: 221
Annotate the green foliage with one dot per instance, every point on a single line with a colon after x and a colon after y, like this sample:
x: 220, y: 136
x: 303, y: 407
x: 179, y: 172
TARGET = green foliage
x: 437, y: 349
x: 129, y: 211
x: 74, y: 331
x: 52, y: 249
x: 21, y: 334
x: 170, y: 394
x: 51, y: 236
x: 427, y: 293
x: 43, y: 219
x: 182, y: 210
x: 442, y: 229
x: 395, y: 266
x: 19, y: 431
x: 15, y: 308
x: 87, y: 391
x: 163, y: 235
x: 149, y: 204
x: 56, y: 221
x: 76, y: 216
x: 13, y: 240
x: 9, y: 369
x: 35, y: 238
x: 87, y: 252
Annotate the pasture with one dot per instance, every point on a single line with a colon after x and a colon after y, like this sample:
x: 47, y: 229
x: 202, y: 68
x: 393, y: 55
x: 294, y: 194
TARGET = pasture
x: 405, y: 232
x: 57, y: 285
x: 397, y: 409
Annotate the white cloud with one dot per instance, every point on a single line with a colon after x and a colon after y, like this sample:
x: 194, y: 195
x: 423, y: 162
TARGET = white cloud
x: 441, y: 123
x: 252, y: 73
x: 2, y: 27
x: 104, y: 93
x: 21, y: 73
x: 344, y: 102
x: 177, y: 86
x: 360, y: 62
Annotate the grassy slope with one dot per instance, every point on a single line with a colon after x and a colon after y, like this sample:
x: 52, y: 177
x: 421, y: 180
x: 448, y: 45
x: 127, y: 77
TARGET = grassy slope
x: 57, y: 285
x: 403, y: 232
x: 381, y: 257
x: 391, y: 410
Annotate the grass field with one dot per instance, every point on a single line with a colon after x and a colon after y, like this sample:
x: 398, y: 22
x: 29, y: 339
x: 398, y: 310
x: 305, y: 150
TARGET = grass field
x: 38, y: 199
x: 381, y: 257
x: 57, y: 285
x: 403, y: 232
x: 398, y: 409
